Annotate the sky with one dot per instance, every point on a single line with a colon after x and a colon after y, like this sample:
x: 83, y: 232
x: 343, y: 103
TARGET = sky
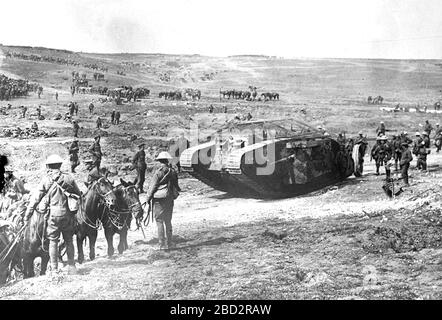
x: 391, y: 29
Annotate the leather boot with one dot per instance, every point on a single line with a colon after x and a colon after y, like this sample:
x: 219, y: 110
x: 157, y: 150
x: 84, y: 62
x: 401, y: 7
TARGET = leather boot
x: 161, y: 237
x: 70, y: 252
x: 53, y: 254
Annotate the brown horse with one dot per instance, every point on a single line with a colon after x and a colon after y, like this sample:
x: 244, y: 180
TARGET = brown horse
x: 117, y: 219
x: 99, y: 197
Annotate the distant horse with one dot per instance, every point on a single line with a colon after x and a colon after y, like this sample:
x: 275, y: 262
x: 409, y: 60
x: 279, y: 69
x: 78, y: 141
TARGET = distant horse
x: 99, y: 197
x: 117, y: 219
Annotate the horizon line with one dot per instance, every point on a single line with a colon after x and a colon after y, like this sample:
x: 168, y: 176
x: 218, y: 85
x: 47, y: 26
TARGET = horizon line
x: 213, y: 56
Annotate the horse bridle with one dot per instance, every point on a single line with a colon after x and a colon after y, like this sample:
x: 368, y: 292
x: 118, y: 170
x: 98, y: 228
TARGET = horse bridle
x: 104, y: 196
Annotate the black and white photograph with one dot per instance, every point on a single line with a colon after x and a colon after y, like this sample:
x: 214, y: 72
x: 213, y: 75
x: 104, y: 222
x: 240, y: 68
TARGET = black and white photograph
x: 248, y: 151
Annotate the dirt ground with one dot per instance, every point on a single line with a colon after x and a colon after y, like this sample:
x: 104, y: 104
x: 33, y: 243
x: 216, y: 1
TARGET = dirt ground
x: 347, y: 241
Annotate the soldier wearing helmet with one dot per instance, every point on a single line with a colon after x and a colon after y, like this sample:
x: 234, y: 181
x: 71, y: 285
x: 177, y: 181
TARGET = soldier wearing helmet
x: 56, y: 186
x: 162, y: 196
x: 381, y: 152
x: 426, y: 139
x: 76, y: 127
x: 95, y: 151
x: 380, y: 131
x: 73, y: 154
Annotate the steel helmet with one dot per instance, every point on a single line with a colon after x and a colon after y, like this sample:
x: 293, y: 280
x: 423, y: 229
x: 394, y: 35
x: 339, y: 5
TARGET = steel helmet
x: 164, y: 155
x: 360, y: 132
x: 418, y: 133
x: 53, y: 159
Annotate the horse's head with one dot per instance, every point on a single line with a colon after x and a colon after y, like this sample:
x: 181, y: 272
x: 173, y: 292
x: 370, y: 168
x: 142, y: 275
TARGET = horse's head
x: 105, y: 190
x: 131, y: 195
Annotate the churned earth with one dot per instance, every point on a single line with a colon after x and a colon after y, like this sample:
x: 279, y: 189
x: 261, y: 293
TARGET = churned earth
x: 346, y: 241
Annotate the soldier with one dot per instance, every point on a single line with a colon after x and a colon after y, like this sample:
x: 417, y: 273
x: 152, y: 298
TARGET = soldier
x: 14, y: 188
x: 56, y: 96
x: 397, y: 150
x: 380, y: 131
x: 139, y: 162
x: 91, y: 108
x: 99, y: 124
x: 93, y: 172
x: 113, y: 116
x: 211, y: 109
x: 57, y: 186
x: 426, y: 139
x: 405, y: 163
x: 428, y: 128
x: 225, y: 109
x: 422, y: 157
x: 24, y: 109
x: 76, y: 108
x: 341, y: 139
x: 95, y: 151
x: 381, y: 153
x: 117, y: 117
x: 39, y: 112
x: 164, y: 178
x: 416, y: 143
x: 71, y: 108
x: 73, y: 154
x: 76, y: 127
x: 34, y: 127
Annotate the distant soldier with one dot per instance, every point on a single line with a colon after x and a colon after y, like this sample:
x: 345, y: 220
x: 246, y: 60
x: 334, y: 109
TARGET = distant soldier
x: 23, y: 111
x: 73, y: 154
x: 76, y: 108
x: 39, y: 112
x: 426, y: 139
x: 91, y: 108
x: 422, y: 157
x: 397, y: 150
x: 428, y: 127
x: 76, y: 127
x: 380, y: 131
x: 117, y: 117
x: 95, y: 151
x: 56, y: 96
x: 417, y: 142
x: 71, y: 108
x: 341, y: 139
x: 211, y: 109
x: 113, y: 116
x: 381, y: 153
x: 139, y: 163
x: 34, y: 127
x: 99, y: 123
x: 405, y: 163
x: 225, y: 109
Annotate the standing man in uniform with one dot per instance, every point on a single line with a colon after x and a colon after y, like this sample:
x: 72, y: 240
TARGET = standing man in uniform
x: 422, y: 157
x: 405, y: 163
x: 428, y: 127
x: 139, y: 162
x: 99, y: 123
x: 117, y: 117
x: 113, y: 116
x: 56, y: 96
x: 438, y: 137
x: 381, y: 153
x: 73, y: 154
x: 380, y: 131
x: 76, y: 128
x: 39, y: 112
x: 95, y: 151
x: 61, y: 219
x: 164, y: 177
x: 91, y: 108
x: 426, y: 139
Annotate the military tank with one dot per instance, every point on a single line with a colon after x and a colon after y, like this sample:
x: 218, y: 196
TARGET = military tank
x: 268, y: 159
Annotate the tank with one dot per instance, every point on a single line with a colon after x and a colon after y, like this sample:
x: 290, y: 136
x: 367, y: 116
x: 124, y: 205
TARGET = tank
x: 268, y: 159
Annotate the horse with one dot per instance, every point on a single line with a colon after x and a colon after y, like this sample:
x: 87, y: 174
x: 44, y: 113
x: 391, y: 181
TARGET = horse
x: 117, y: 219
x: 99, y: 197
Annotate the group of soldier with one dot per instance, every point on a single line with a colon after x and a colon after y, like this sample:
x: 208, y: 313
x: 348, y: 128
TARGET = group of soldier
x: 400, y: 149
x: 12, y: 88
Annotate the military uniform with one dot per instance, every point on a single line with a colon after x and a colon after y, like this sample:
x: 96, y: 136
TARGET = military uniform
x: 380, y: 130
x: 139, y: 161
x: 438, y: 138
x: 73, y: 154
x: 422, y: 157
x: 95, y: 151
x: 76, y: 128
x: 163, y: 208
x: 405, y: 164
x: 113, y: 117
x: 397, y: 151
x: 381, y: 153
x: 91, y: 107
x: 61, y: 219
x: 117, y: 117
